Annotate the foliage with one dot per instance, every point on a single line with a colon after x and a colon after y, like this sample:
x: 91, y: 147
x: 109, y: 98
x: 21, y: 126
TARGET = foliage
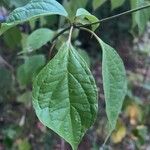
x: 64, y: 91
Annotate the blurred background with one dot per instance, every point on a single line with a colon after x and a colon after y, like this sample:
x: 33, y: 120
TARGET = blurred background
x: 25, y: 49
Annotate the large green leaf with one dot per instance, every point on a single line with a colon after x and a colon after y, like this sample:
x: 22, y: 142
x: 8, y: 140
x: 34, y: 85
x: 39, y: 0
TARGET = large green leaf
x: 34, y: 9
x: 116, y: 3
x: 140, y: 18
x: 98, y: 3
x: 114, y: 82
x: 37, y: 39
x: 84, y: 17
x: 65, y: 95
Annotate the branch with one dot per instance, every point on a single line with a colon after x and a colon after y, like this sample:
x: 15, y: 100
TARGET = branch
x: 115, y: 16
x: 102, y: 20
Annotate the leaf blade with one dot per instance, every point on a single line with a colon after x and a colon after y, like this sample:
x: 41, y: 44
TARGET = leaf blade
x: 72, y: 96
x: 37, y: 39
x: 114, y: 80
x: 34, y: 9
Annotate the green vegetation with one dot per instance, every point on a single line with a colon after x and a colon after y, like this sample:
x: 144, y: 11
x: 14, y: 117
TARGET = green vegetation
x: 47, y: 43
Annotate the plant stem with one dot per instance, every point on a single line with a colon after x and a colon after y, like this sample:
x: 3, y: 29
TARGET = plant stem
x: 115, y: 16
x: 102, y: 20
x: 70, y: 34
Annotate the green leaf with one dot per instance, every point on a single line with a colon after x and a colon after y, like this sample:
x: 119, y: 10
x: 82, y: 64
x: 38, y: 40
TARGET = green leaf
x: 116, y: 3
x: 26, y: 71
x: 140, y: 18
x: 114, y: 82
x: 82, y: 16
x: 34, y: 9
x: 65, y: 95
x: 37, y: 39
x: 98, y: 3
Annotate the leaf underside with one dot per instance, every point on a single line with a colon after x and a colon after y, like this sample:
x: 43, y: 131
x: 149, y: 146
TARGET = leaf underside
x: 65, y: 95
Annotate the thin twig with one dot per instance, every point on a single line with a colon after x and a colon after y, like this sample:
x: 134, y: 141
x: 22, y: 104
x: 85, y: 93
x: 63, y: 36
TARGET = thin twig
x: 102, y: 20
x: 115, y: 16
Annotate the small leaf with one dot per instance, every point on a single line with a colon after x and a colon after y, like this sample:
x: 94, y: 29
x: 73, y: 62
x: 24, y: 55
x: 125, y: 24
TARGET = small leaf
x: 114, y: 82
x: 65, y: 95
x: 37, y: 39
x: 116, y: 3
x: 26, y: 71
x: 98, y: 3
x: 34, y: 9
x: 83, y: 16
